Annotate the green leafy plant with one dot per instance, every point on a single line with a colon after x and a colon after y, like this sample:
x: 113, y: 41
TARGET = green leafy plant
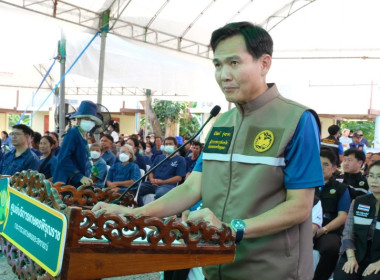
x: 367, y: 127
x: 14, y: 118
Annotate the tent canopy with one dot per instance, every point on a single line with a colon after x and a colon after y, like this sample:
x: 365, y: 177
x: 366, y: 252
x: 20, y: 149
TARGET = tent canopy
x: 324, y: 50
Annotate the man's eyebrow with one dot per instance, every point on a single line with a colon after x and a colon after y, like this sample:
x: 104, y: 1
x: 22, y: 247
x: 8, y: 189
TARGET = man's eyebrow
x: 226, y: 59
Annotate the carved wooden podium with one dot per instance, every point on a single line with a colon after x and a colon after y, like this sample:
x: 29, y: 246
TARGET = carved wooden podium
x: 109, y: 245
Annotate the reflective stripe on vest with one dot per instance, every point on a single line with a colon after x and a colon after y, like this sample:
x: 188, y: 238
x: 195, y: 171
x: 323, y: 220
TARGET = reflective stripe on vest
x: 273, y: 161
x: 378, y: 225
x: 359, y: 189
x: 330, y: 145
x: 362, y: 221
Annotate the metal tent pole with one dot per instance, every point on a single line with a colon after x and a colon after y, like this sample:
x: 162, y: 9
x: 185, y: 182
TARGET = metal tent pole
x: 104, y: 29
x: 62, y: 61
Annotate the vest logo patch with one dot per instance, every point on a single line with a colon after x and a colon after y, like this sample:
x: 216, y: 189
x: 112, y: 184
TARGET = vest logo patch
x: 332, y: 191
x: 362, y: 207
x: 361, y: 183
x: 361, y: 214
x: 219, y: 140
x: 263, y: 141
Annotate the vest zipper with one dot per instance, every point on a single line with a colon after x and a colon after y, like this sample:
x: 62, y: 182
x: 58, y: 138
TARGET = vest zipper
x: 229, y: 183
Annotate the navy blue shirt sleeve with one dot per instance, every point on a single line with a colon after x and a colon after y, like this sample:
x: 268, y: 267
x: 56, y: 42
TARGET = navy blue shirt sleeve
x: 344, y: 201
x: 303, y: 164
x: 198, y: 165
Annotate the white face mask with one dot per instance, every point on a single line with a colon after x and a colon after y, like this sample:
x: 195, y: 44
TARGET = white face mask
x: 147, y: 150
x: 87, y: 125
x: 95, y: 154
x: 123, y: 157
x: 168, y: 149
x: 151, y: 140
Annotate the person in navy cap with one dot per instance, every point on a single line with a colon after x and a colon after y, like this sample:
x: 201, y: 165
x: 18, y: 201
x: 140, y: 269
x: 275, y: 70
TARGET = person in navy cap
x: 74, y: 156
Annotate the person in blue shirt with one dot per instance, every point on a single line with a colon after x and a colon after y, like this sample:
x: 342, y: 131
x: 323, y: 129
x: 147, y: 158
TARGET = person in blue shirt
x: 196, y: 149
x: 99, y: 167
x: 124, y: 172
x: 35, y: 143
x: 157, y: 147
x: 6, y: 144
x: 140, y: 161
x: 106, y: 143
x: 165, y: 177
x: 74, y: 162
x: 335, y: 199
x: 142, y: 149
x: 56, y: 147
x: 48, y: 161
x: 20, y: 157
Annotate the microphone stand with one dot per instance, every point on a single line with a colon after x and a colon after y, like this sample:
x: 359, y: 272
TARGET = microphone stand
x: 214, y: 112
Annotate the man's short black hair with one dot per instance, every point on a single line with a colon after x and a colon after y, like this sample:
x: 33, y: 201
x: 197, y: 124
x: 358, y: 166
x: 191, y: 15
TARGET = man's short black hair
x: 26, y: 129
x: 109, y: 137
x: 257, y: 40
x: 333, y: 129
x: 172, y: 138
x: 359, y: 155
x: 143, y: 145
x: 328, y: 153
x: 36, y: 137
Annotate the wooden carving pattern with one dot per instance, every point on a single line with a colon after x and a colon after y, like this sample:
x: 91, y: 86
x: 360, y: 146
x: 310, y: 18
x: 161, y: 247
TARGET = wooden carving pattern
x: 34, y: 185
x: 88, y: 196
x: 122, y: 231
x: 23, y: 266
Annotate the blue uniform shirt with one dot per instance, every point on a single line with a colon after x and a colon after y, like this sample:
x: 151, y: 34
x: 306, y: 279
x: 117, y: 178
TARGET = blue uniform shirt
x: 176, y: 166
x: 10, y: 164
x: 49, y: 168
x: 73, y: 159
x: 109, y: 157
x: 303, y: 165
x: 119, y: 172
x: 102, y: 169
x: 140, y: 161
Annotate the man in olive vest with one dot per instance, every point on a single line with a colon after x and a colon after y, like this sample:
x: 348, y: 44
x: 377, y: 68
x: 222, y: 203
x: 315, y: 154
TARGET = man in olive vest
x: 258, y: 169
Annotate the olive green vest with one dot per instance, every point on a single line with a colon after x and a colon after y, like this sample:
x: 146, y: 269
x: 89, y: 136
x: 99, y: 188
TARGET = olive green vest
x: 243, y: 162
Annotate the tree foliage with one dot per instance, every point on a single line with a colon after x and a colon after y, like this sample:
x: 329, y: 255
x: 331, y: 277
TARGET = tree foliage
x: 367, y: 127
x: 14, y: 118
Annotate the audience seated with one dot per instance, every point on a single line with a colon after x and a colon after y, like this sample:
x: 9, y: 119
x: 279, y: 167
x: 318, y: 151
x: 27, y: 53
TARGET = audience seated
x: 142, y: 150
x: 361, y: 236
x: 157, y: 147
x: 335, y: 199
x: 35, y: 143
x: 134, y: 143
x: 356, y: 138
x: 6, y: 144
x: 20, y: 157
x: 48, y: 161
x: 195, y: 149
x: 166, y: 176
x: 106, y: 143
x: 124, y: 172
x: 333, y: 143
x: 345, y: 139
x: 98, y: 168
x: 56, y: 147
x: 353, y: 160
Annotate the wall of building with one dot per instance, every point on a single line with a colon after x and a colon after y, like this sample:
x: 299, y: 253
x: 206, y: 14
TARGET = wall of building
x: 127, y: 124
x: 325, y: 123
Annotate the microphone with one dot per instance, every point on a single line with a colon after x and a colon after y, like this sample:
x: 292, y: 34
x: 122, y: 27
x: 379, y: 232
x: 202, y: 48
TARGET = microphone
x: 214, y: 112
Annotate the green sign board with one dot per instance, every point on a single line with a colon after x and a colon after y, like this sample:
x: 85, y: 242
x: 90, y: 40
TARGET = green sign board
x: 35, y: 228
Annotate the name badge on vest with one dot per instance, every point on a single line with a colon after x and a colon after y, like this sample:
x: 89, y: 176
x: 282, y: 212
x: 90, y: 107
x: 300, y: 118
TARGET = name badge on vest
x: 363, y: 210
x: 219, y: 140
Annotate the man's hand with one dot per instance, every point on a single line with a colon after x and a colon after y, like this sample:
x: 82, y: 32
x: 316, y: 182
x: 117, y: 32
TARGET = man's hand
x: 157, y: 182
x: 86, y: 181
x: 205, y: 215
x: 372, y: 268
x: 105, y: 208
x: 351, y: 266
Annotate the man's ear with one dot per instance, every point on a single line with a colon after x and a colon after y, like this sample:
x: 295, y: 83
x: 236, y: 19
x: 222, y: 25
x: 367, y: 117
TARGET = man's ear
x: 266, y: 63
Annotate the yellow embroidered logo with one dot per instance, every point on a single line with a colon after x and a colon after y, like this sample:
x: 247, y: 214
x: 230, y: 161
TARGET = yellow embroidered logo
x: 332, y: 191
x: 263, y: 141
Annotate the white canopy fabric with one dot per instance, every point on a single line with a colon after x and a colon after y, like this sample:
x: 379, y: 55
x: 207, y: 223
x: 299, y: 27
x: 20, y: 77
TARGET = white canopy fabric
x: 326, y: 53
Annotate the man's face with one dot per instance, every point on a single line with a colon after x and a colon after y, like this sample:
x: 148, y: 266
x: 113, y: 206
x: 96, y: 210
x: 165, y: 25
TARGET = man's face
x: 351, y: 164
x: 131, y: 143
x: 239, y: 75
x: 158, y: 142
x: 328, y: 168
x: 19, y: 138
x: 196, y: 151
x: 356, y: 139
x: 95, y: 148
x: 169, y: 142
x: 105, y: 143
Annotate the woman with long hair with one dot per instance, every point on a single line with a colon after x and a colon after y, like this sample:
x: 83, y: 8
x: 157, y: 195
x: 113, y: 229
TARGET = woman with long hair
x: 48, y: 161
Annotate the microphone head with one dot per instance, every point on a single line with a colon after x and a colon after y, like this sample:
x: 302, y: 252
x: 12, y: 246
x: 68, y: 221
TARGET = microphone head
x: 215, y: 111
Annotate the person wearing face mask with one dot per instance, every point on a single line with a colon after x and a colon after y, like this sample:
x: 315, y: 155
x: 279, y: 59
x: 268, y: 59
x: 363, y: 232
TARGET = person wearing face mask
x: 99, y: 167
x: 124, y: 172
x: 142, y: 152
x: 166, y: 176
x: 140, y: 161
x: 74, y: 155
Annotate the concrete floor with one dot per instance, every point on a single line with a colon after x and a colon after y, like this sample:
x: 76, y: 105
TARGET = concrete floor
x: 7, y: 274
